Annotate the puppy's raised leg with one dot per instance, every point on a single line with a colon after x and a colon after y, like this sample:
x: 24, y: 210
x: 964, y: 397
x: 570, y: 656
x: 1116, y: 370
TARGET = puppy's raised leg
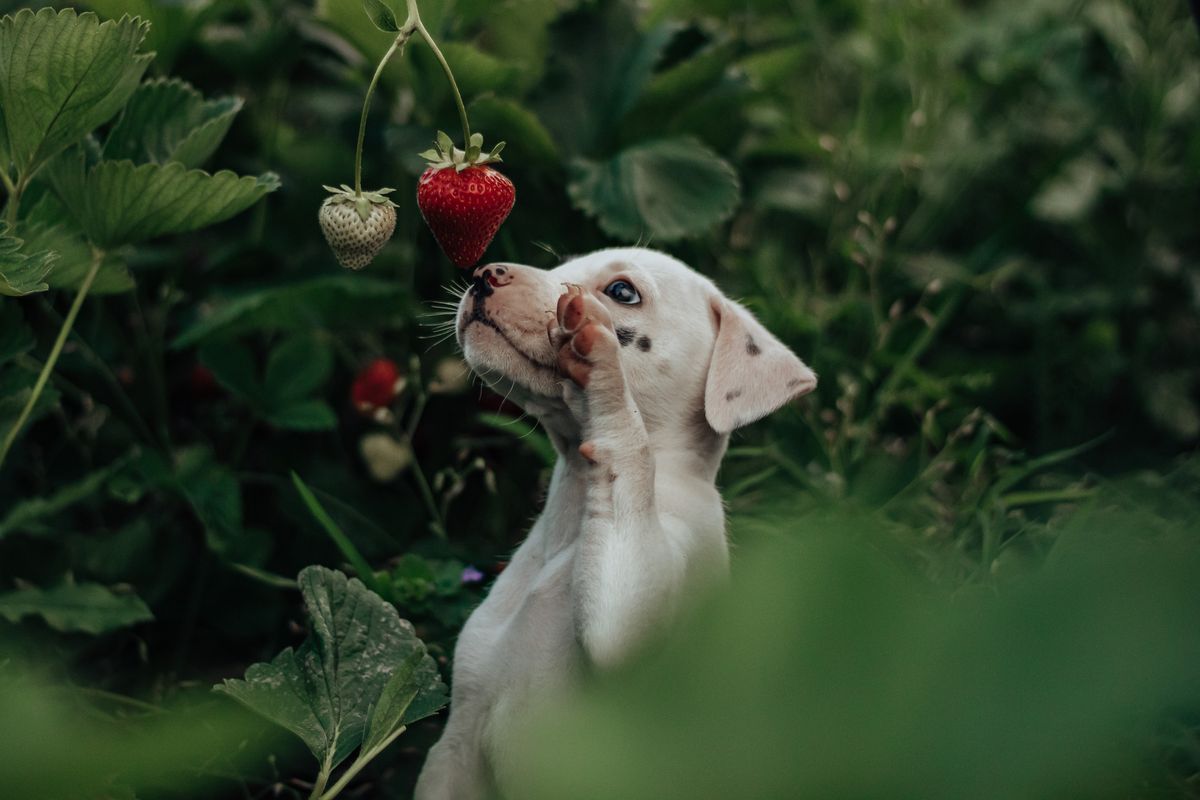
x: 628, y: 573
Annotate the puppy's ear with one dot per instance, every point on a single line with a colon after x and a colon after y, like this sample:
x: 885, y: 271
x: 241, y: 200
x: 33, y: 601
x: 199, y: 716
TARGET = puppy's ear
x: 751, y: 373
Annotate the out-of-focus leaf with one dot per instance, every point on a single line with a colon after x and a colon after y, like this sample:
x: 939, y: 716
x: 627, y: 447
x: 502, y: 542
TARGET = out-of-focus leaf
x: 324, y: 690
x: 602, y: 62
x: 233, y: 367
x: 327, y: 302
x: 297, y: 367
x: 63, y: 74
x: 20, y: 272
x: 1095, y: 651
x: 667, y: 189
x: 526, y: 433
x: 172, y: 24
x: 168, y: 120
x: 1171, y: 402
x: 505, y: 120
x: 303, y: 415
x: 119, y: 202
x: 1070, y: 195
x: 33, y: 515
x: 477, y: 72
x: 70, y: 607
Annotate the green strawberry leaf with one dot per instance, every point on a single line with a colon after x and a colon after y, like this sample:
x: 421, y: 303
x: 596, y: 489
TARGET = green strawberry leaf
x: 325, y: 690
x: 48, y: 226
x: 63, y: 74
x: 119, y: 202
x: 70, y: 607
x: 22, y: 274
x: 168, y: 120
x: 382, y: 16
x: 666, y: 189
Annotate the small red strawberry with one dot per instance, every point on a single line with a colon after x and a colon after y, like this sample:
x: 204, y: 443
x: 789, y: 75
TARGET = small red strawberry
x: 463, y: 200
x: 357, y: 226
x: 376, y: 387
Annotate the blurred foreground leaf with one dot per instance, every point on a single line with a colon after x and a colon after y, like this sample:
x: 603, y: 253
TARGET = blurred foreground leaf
x: 828, y: 671
x: 324, y: 691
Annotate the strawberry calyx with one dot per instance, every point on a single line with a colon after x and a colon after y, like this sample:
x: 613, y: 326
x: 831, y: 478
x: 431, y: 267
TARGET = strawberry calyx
x: 444, y: 154
x: 362, y: 202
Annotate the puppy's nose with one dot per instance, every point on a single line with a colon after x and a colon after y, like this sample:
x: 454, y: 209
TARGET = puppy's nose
x: 489, y: 277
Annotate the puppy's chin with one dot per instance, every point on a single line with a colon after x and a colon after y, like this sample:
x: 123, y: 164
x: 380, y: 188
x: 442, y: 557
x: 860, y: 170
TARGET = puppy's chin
x: 508, y: 372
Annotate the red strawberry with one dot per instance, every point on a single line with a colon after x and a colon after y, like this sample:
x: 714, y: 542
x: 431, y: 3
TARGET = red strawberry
x: 376, y: 386
x: 463, y: 200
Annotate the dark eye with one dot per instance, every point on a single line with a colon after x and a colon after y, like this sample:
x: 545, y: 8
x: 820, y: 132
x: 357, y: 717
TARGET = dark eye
x: 623, y: 292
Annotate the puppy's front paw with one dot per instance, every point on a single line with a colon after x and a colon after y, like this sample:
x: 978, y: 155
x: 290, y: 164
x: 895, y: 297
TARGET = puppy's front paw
x: 587, y: 342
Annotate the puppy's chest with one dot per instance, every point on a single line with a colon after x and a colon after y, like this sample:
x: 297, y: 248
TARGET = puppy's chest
x: 523, y: 635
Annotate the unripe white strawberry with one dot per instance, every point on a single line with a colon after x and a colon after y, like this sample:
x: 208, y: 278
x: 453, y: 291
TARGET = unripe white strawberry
x: 357, y: 226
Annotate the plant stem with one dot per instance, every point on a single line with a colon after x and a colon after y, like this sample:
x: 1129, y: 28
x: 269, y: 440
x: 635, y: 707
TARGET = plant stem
x: 398, y: 42
x: 48, y: 367
x: 458, y: 101
x: 14, y: 198
x: 360, y: 762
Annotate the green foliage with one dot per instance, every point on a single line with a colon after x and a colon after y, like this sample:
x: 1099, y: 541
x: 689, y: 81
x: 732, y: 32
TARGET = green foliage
x: 22, y: 274
x: 975, y: 220
x: 360, y: 677
x: 63, y: 75
x: 877, y: 686
x: 69, y: 607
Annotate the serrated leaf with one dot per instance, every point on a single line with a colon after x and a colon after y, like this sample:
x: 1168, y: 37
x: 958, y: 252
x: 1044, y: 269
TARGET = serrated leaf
x: 168, y: 120
x: 297, y: 367
x: 330, y: 302
x: 76, y: 608
x: 32, y: 515
x: 63, y: 74
x: 665, y: 189
x: 119, y: 202
x: 214, y: 494
x: 382, y: 16
x: 303, y: 415
x: 324, y: 690
x: 22, y: 273
x: 48, y: 226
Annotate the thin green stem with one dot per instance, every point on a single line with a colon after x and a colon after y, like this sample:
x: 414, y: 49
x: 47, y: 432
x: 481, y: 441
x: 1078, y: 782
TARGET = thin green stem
x: 14, y: 199
x: 398, y: 42
x: 458, y: 101
x: 48, y: 367
x: 360, y: 762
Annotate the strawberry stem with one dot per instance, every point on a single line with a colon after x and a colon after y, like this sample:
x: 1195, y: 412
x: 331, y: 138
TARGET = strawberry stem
x: 458, y: 101
x: 399, y: 41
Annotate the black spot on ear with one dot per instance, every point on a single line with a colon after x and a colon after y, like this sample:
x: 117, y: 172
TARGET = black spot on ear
x: 625, y: 336
x: 644, y: 344
x: 751, y: 346
x: 730, y: 396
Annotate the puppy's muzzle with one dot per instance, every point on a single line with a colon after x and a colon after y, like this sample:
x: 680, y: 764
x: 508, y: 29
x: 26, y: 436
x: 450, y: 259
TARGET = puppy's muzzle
x: 487, y: 278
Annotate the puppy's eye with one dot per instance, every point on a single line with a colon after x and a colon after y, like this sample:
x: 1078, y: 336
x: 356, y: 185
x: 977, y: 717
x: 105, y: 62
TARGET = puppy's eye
x: 623, y: 292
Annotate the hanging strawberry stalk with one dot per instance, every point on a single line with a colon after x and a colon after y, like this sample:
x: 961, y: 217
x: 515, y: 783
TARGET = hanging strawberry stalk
x: 463, y: 200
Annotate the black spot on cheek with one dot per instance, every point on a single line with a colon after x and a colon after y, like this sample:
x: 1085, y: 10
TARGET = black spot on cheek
x: 625, y: 336
x: 730, y: 396
x: 644, y: 344
x: 751, y: 346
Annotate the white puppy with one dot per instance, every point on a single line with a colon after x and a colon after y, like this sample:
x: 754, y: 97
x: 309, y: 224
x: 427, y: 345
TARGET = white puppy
x: 638, y: 368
